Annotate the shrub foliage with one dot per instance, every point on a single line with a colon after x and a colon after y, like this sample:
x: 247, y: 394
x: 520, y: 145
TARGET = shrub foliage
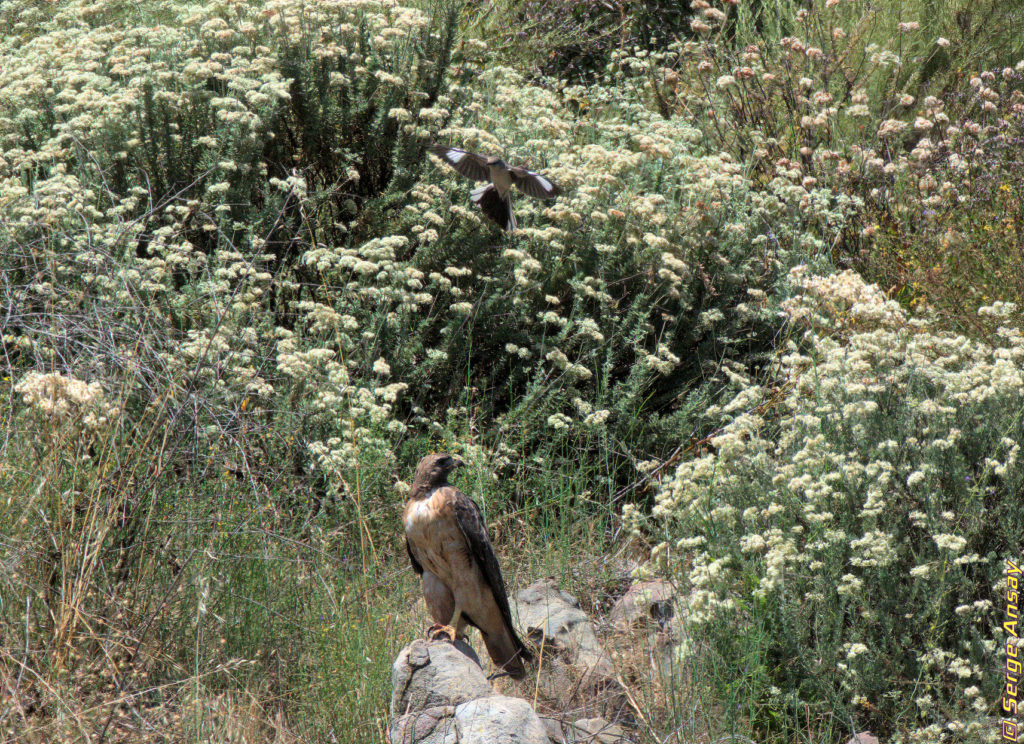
x: 845, y: 537
x: 239, y: 302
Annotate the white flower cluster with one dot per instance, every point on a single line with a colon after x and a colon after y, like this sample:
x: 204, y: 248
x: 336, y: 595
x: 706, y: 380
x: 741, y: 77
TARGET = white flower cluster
x: 66, y: 401
x: 867, y: 460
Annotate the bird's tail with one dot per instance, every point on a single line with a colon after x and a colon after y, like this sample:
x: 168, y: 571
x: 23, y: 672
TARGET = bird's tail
x: 508, y: 652
x: 494, y: 206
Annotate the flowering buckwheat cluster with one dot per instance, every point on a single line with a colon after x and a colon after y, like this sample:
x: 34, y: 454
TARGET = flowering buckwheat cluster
x: 143, y: 229
x: 66, y: 404
x: 858, y: 507
x: 865, y: 106
x: 603, y: 299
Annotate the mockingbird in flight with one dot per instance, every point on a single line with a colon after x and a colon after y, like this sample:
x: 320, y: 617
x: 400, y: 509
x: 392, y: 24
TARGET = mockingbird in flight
x: 494, y: 198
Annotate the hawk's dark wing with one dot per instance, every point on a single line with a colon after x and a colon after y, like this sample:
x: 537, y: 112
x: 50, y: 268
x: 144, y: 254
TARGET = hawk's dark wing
x: 468, y: 164
x: 471, y: 522
x: 412, y: 559
x: 533, y: 184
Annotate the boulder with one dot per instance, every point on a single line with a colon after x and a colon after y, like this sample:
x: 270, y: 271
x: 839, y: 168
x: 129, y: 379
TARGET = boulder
x: 430, y: 726
x: 495, y: 719
x: 652, y: 608
x: 645, y: 601
x: 599, y: 731
x: 498, y: 720
x: 574, y: 668
x: 553, y: 618
x: 436, y: 674
x: 585, y: 731
x: 553, y: 727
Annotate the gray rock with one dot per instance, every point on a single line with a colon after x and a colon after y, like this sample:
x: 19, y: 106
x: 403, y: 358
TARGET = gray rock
x: 652, y: 608
x: 430, y: 726
x: 645, y: 601
x: 553, y: 728
x: 585, y: 731
x: 575, y: 671
x: 498, y: 720
x: 864, y: 737
x: 598, y: 731
x: 553, y: 618
x: 436, y: 674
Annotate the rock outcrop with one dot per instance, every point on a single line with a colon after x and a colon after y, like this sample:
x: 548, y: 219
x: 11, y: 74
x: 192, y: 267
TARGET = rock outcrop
x: 574, y: 667
x: 440, y: 695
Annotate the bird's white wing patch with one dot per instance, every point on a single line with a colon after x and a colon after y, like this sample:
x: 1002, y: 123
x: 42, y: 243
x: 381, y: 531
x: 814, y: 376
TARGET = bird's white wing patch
x: 455, y: 156
x: 543, y: 181
x: 476, y: 194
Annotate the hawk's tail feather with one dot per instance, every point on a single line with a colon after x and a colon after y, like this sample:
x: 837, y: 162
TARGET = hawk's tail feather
x: 508, y: 652
x: 524, y: 652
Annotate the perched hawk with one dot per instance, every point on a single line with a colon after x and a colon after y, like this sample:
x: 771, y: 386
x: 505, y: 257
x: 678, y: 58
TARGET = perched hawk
x: 495, y: 199
x: 448, y: 546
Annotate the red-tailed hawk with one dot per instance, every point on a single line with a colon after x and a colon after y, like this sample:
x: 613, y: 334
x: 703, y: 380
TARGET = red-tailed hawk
x: 449, y: 548
x: 494, y: 198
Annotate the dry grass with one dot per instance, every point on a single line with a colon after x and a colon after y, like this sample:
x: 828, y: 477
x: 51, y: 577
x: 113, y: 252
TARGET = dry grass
x: 232, y: 627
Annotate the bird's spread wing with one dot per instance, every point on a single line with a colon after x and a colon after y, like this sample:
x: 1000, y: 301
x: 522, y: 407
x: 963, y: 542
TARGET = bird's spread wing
x: 534, y: 184
x: 471, y: 522
x: 468, y: 164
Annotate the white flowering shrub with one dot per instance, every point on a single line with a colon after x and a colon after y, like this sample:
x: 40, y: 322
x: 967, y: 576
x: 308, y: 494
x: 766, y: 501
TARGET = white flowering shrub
x: 842, y: 542
x: 66, y: 407
x: 914, y: 112
x: 804, y: 81
x: 160, y: 172
x: 586, y: 324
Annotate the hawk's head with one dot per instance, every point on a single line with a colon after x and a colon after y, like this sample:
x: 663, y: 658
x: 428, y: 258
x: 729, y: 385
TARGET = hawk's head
x: 432, y: 472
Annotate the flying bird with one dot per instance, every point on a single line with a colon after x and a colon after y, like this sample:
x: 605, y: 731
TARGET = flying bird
x: 448, y: 545
x: 495, y: 198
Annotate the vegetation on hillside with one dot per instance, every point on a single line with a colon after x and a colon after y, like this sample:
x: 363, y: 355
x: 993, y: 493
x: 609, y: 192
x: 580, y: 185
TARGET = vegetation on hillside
x: 240, y: 302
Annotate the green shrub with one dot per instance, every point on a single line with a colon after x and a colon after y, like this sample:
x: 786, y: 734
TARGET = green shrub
x: 583, y: 331
x: 914, y: 112
x: 844, y: 540
x: 572, y: 40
